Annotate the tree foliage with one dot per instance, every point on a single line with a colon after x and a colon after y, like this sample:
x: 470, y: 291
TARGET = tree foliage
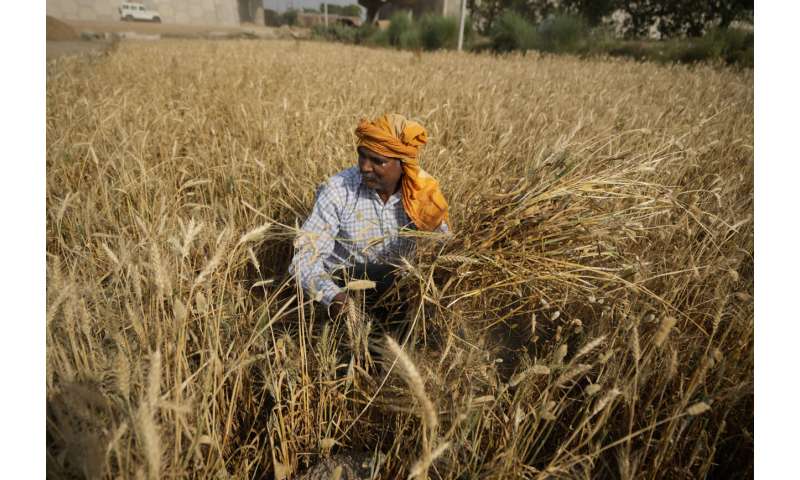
x: 289, y: 17
x: 592, y: 11
x: 373, y: 6
x: 351, y: 10
x: 671, y: 17
x: 683, y: 17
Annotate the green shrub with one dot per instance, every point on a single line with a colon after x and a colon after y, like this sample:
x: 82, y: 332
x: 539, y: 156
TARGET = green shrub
x: 378, y: 38
x: 692, y: 52
x: 351, y: 10
x: 471, y: 36
x: 562, y: 33
x: 410, y: 39
x: 366, y: 31
x: 344, y: 33
x: 431, y: 33
x: 744, y: 58
x: 630, y: 49
x: 335, y: 33
x: 437, y: 32
x: 733, y: 49
x: 399, y: 23
x: 272, y: 18
x: 732, y: 45
x: 348, y: 10
x: 289, y: 17
x: 511, y: 31
x: 479, y: 44
x: 727, y: 41
x: 320, y: 32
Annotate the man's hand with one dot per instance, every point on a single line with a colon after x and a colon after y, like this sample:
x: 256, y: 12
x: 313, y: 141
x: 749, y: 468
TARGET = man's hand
x: 338, y: 304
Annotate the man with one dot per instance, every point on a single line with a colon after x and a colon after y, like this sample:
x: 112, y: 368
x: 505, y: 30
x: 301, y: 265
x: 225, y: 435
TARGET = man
x: 360, y: 214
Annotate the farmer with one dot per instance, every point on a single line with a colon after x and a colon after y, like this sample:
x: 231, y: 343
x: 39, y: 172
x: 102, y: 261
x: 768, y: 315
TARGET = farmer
x: 356, y: 228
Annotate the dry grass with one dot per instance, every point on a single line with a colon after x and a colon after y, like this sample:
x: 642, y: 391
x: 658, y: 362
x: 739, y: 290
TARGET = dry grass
x: 591, y: 318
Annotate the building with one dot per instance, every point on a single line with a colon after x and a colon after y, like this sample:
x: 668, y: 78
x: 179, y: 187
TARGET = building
x: 187, y: 12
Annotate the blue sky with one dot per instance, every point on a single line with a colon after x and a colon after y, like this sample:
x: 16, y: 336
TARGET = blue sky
x: 282, y: 5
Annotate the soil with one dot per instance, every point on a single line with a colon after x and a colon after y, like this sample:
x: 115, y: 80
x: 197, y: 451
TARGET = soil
x: 169, y: 29
x: 60, y: 31
x: 74, y: 47
x: 354, y: 466
x: 72, y: 37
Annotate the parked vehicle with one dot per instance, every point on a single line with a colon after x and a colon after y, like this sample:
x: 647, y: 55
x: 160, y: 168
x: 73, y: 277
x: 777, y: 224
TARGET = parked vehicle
x: 130, y: 12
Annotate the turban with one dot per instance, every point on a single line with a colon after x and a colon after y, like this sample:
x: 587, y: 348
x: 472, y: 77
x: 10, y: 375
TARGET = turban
x: 394, y: 136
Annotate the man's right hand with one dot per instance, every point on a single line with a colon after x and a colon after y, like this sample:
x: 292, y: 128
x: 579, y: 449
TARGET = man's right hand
x: 338, y: 304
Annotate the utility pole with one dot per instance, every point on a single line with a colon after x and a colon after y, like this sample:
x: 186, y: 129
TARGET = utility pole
x: 461, y: 25
x: 326, y: 14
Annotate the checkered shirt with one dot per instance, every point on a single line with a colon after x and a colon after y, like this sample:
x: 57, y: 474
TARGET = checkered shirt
x: 349, y: 225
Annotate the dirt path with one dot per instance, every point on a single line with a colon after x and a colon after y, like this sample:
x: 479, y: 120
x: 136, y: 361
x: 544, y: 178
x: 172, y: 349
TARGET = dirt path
x: 169, y: 29
x: 96, y: 35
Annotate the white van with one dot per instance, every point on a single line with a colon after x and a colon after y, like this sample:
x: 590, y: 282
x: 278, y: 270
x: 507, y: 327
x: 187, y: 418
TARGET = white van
x: 129, y: 12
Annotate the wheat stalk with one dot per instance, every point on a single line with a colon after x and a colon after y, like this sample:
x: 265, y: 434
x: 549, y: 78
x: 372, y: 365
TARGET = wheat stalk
x: 216, y: 259
x: 148, y: 431
x: 667, y: 323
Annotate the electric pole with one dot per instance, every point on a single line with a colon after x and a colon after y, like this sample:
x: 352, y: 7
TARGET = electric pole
x: 461, y: 25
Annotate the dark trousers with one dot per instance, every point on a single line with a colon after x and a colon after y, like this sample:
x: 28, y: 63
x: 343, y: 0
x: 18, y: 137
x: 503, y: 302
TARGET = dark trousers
x: 383, y: 303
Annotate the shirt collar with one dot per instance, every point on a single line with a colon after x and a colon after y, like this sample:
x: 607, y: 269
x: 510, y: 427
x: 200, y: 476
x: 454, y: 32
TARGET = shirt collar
x: 396, y: 196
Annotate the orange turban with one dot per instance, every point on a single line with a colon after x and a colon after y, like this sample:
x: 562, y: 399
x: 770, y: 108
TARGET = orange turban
x: 394, y: 136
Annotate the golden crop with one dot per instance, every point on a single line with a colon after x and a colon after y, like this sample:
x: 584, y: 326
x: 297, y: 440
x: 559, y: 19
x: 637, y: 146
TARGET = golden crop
x: 592, y: 316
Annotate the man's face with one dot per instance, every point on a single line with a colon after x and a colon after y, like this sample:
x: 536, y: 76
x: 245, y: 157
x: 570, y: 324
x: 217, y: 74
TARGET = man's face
x: 378, y: 172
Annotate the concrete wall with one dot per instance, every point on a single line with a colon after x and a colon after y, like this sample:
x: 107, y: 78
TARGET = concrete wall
x: 189, y: 12
x: 251, y: 11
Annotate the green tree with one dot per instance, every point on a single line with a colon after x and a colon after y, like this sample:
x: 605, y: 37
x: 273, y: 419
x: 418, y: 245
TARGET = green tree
x: 373, y: 6
x: 352, y: 10
x: 592, y: 11
x: 730, y: 10
x: 290, y: 17
x: 510, y: 31
x: 400, y: 23
x: 486, y: 12
x: 683, y: 17
x: 672, y: 17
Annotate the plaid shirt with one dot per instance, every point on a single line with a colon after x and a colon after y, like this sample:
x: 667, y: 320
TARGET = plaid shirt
x: 349, y: 225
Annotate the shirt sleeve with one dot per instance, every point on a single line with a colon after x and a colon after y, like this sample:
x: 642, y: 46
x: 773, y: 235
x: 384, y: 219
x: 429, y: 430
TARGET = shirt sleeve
x: 315, y: 243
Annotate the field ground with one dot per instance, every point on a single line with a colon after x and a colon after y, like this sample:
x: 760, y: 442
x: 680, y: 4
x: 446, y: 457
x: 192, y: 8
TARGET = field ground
x: 67, y: 41
x: 591, y: 317
x: 74, y: 47
x: 166, y: 28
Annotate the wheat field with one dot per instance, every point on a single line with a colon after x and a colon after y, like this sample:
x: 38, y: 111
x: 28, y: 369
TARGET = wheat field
x: 591, y: 316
